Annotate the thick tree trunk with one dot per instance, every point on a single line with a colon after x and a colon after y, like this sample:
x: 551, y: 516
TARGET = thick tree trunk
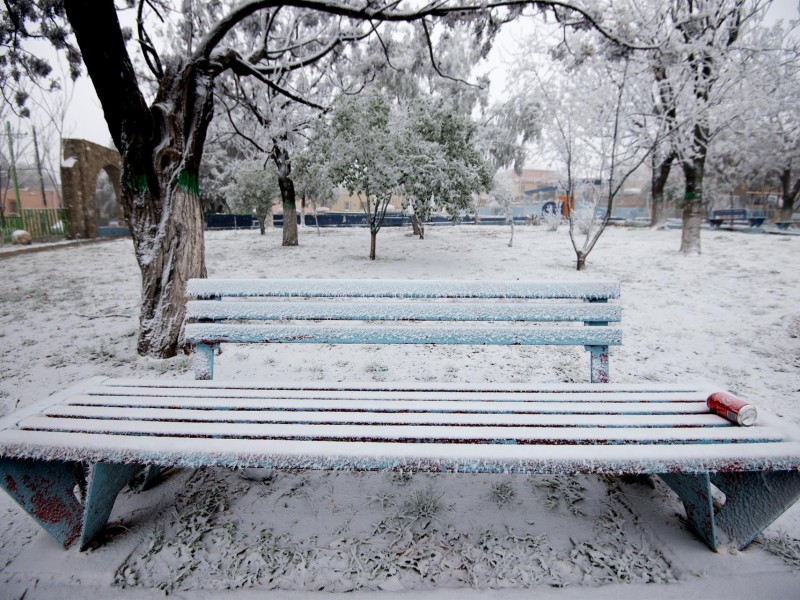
x: 288, y: 198
x: 161, y: 148
x: 789, y: 193
x: 693, y: 206
x: 660, y: 174
x: 580, y: 262
x: 167, y: 262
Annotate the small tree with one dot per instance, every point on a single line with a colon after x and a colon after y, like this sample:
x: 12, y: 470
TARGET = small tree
x: 314, y: 180
x: 361, y: 147
x: 438, y: 162
x: 503, y: 193
x: 253, y: 191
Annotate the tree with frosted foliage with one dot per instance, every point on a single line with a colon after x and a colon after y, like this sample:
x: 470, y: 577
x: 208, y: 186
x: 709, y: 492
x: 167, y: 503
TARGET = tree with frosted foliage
x: 253, y: 192
x: 503, y: 193
x: 314, y: 183
x: 361, y: 147
x: 437, y: 159
x: 161, y: 135
x: 761, y: 144
x: 592, y: 135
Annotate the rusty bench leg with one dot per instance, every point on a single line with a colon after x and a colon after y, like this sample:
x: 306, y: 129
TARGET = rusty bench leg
x: 598, y: 363
x: 46, y: 491
x: 753, y: 500
x: 49, y: 492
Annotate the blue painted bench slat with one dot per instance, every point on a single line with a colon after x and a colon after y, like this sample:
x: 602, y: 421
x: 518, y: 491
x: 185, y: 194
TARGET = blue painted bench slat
x: 434, y: 306
x: 401, y: 311
x: 123, y: 428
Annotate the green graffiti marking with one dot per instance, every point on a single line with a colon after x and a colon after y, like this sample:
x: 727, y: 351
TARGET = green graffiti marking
x: 188, y: 183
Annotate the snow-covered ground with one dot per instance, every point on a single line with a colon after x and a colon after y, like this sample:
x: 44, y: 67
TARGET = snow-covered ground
x: 730, y: 316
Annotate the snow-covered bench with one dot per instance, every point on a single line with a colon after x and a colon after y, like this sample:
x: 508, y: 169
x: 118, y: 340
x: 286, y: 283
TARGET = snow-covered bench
x: 116, y: 427
x: 736, y: 215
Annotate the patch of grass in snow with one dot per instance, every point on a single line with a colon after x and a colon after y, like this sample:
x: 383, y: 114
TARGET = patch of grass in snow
x: 503, y: 492
x: 422, y: 508
x: 783, y: 546
x: 614, y: 556
x: 377, y: 370
x: 560, y: 490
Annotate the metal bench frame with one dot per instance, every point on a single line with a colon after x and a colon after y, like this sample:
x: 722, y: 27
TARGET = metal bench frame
x: 122, y: 428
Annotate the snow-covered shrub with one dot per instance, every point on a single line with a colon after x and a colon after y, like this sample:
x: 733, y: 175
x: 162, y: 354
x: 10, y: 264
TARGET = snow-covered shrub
x: 583, y: 217
x: 551, y: 218
x: 21, y: 237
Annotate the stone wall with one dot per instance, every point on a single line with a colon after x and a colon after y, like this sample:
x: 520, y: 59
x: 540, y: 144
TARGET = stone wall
x: 80, y: 168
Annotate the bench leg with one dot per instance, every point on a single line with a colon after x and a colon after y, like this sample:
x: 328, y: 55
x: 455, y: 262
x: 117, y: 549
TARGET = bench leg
x: 105, y: 482
x: 753, y: 500
x: 694, y: 490
x: 151, y: 475
x: 46, y: 491
x: 204, y: 361
x: 598, y: 363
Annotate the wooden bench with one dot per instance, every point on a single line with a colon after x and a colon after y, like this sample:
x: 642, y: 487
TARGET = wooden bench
x: 734, y: 215
x: 117, y: 427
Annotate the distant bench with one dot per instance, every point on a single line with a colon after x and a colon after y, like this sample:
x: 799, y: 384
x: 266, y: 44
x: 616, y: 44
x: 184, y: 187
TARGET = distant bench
x: 734, y: 215
x: 118, y: 427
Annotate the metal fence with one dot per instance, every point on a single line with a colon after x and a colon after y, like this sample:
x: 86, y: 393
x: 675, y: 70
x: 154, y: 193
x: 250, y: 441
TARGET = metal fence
x: 41, y: 223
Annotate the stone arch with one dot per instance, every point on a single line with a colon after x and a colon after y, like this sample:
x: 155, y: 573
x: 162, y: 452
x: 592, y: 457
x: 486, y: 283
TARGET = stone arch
x: 83, y: 161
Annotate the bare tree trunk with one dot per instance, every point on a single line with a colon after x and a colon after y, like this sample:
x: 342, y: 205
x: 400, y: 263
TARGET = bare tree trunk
x: 660, y: 174
x: 693, y: 207
x: 511, y: 241
x: 788, y: 194
x: 288, y: 198
x: 373, y: 239
x: 580, y: 263
x: 416, y: 226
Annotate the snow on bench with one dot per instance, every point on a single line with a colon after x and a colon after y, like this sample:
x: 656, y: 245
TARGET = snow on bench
x: 421, y: 312
x: 117, y: 427
x: 735, y: 215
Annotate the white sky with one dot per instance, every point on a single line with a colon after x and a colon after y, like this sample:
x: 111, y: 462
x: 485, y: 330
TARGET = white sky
x: 85, y: 117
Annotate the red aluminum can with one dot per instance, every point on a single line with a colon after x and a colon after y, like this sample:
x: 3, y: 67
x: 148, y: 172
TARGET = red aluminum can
x: 732, y: 408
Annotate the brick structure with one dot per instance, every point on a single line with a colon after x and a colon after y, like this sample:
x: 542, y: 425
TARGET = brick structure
x: 82, y: 163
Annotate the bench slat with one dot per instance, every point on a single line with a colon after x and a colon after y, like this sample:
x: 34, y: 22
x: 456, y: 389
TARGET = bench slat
x: 435, y: 405
x: 401, y: 311
x: 696, y: 392
x: 410, y: 395
x: 388, y: 418
x: 415, y: 433
x: 400, y: 288
x: 485, y: 458
x: 212, y: 333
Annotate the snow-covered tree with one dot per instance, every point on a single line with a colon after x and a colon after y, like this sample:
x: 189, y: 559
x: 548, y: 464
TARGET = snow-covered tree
x: 503, y: 193
x: 254, y: 191
x: 160, y: 130
x: 761, y: 145
x: 314, y: 183
x: 592, y: 134
x: 361, y: 147
x: 439, y: 164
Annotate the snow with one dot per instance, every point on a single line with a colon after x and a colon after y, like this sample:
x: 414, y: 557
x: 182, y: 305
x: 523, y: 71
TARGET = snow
x: 726, y: 319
